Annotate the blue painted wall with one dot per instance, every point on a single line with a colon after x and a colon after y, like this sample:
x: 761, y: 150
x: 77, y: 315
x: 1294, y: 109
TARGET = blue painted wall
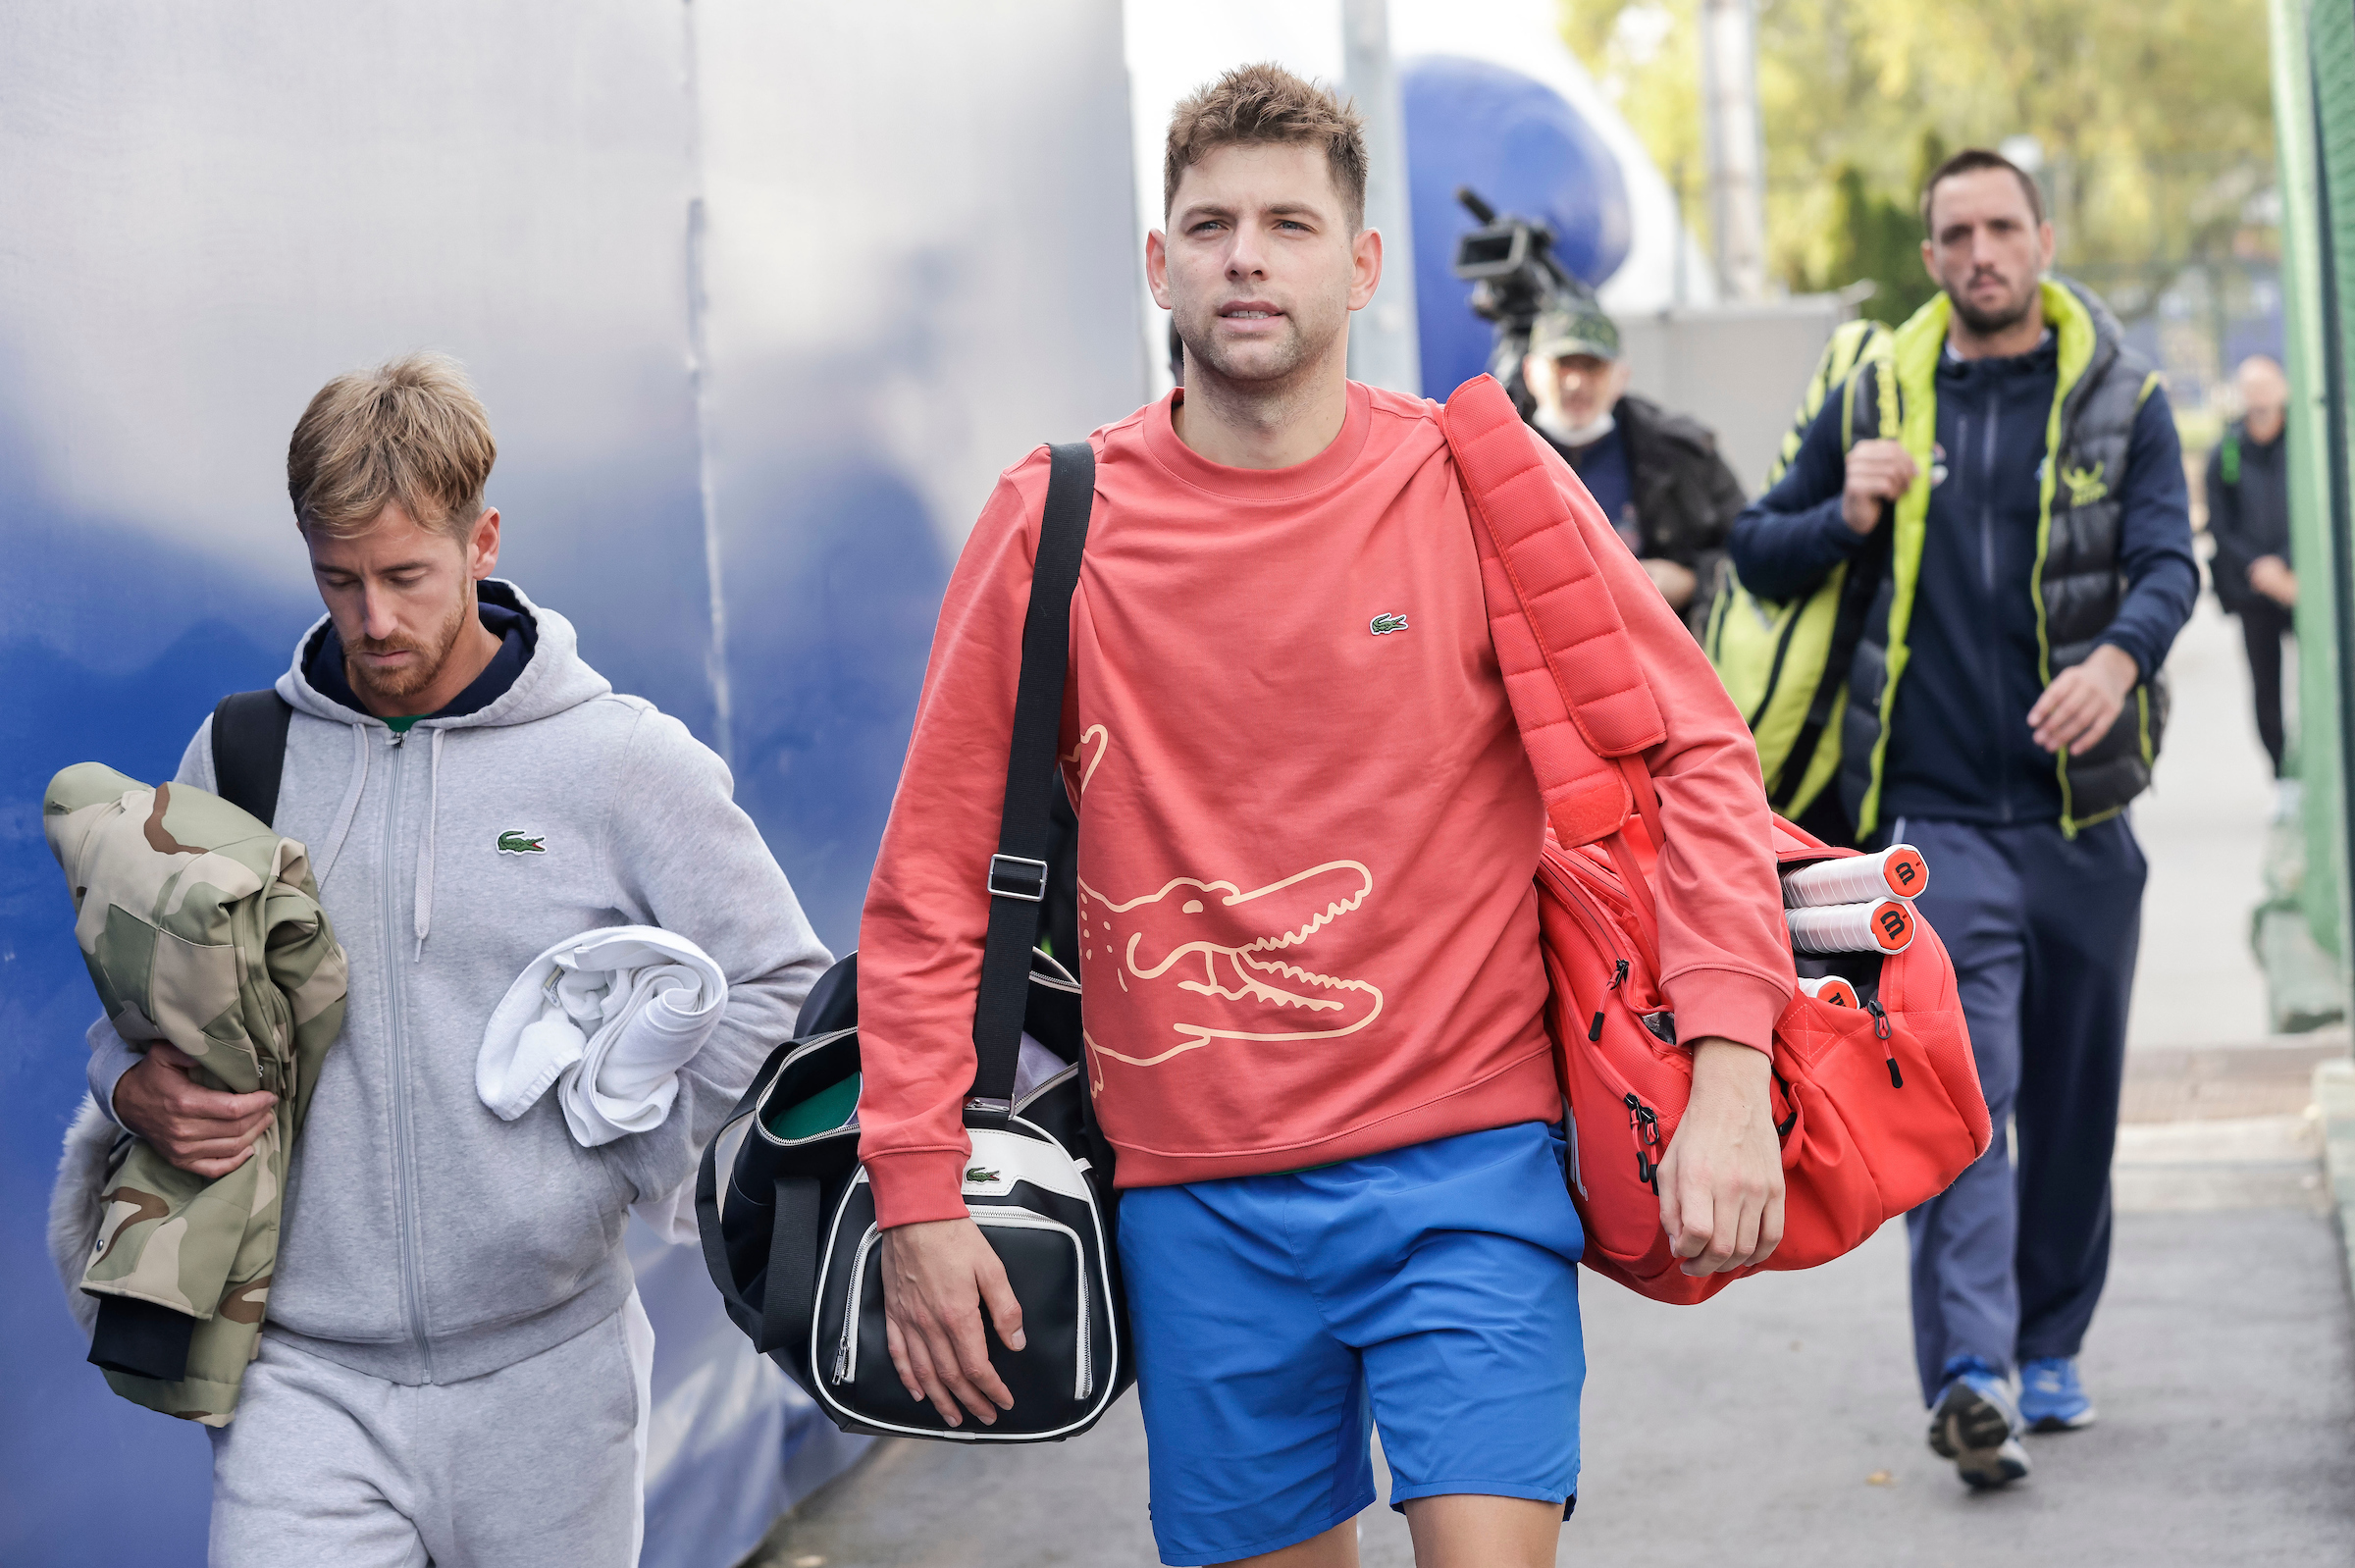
x: 749, y: 289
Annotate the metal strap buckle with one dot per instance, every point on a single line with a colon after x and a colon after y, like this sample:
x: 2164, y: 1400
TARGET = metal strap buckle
x: 1011, y: 876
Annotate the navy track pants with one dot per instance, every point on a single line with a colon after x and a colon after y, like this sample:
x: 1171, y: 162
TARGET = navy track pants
x: 2043, y: 931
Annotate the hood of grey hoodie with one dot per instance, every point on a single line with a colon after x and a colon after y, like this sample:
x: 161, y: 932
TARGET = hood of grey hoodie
x: 426, y: 1240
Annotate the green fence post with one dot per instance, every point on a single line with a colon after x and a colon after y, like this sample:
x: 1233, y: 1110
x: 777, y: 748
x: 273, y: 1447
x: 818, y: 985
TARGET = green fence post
x: 2310, y: 92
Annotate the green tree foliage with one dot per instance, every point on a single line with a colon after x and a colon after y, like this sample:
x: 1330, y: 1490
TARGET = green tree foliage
x: 2154, y: 117
x: 1874, y: 238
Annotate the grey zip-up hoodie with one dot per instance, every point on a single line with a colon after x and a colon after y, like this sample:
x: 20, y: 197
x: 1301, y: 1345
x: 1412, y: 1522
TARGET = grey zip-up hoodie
x: 426, y: 1240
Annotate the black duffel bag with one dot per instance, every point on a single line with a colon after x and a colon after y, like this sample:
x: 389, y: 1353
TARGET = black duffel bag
x: 786, y: 1212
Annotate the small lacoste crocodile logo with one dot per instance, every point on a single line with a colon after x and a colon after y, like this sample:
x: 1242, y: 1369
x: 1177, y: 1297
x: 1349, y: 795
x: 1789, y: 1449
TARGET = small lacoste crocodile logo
x: 2085, y: 484
x: 980, y: 1176
x: 1384, y: 625
x: 514, y: 843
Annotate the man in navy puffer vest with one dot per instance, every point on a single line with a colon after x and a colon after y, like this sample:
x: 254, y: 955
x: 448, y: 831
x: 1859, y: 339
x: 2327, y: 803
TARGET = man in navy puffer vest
x: 2002, y: 708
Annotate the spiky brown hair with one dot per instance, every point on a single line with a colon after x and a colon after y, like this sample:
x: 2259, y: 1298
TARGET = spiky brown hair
x: 1261, y: 104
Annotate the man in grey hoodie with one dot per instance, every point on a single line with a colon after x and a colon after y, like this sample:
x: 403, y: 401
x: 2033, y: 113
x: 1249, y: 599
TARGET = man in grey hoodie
x: 455, y: 1363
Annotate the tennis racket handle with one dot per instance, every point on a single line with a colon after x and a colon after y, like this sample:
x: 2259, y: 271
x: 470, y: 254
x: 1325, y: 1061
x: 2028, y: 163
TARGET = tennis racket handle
x: 1898, y: 871
x: 1884, y: 925
x: 1830, y: 989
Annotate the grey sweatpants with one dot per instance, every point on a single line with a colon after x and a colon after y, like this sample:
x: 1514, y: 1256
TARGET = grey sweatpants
x: 538, y: 1463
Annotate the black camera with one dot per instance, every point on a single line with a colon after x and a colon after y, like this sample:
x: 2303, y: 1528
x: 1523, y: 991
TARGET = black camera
x: 1509, y: 262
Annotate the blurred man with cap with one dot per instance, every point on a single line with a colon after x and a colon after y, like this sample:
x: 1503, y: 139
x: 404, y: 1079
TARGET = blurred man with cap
x: 1655, y: 475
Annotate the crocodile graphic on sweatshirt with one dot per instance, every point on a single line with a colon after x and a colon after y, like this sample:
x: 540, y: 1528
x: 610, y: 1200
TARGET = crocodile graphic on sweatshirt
x: 1233, y: 963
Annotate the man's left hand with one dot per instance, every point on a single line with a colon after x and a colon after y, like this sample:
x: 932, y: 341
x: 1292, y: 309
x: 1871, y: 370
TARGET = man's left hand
x: 1721, y: 1183
x: 1677, y: 584
x: 2083, y: 700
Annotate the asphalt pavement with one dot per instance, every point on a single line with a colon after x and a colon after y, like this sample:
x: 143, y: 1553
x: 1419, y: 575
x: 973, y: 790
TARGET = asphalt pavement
x: 1779, y: 1425
x: 1779, y: 1422
x: 2203, y: 827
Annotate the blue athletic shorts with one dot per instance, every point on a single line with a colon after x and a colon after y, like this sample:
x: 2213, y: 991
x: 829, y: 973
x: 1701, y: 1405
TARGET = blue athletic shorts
x: 1429, y: 1291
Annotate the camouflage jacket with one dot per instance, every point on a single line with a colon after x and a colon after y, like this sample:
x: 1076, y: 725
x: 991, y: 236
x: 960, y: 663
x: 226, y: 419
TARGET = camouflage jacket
x: 202, y: 928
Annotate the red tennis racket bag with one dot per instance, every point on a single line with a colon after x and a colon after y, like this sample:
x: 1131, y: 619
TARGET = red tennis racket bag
x: 1878, y: 1106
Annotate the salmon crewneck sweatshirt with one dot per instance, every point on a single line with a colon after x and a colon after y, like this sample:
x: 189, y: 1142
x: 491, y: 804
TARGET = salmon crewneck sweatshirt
x: 1308, y: 828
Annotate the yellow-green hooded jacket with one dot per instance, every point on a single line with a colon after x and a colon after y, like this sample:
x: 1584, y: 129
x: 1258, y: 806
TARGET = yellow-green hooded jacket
x: 1856, y: 630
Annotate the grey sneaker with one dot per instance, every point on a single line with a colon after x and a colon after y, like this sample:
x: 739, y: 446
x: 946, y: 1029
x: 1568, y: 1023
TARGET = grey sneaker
x: 1976, y: 1425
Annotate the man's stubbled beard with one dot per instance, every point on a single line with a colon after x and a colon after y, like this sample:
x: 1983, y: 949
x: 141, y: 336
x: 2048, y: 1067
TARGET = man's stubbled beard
x: 399, y: 685
x: 1987, y: 324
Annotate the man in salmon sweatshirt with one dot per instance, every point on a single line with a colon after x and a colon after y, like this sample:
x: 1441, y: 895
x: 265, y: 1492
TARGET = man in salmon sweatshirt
x: 1308, y: 937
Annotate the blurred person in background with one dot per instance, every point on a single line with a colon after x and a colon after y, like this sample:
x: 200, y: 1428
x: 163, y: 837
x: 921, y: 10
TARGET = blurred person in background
x: 2248, y: 516
x: 1655, y: 475
x: 2004, y: 707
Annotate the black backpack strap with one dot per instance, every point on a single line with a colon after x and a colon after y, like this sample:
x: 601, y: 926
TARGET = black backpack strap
x: 1867, y: 414
x: 1017, y: 875
x: 1857, y: 591
x: 250, y: 751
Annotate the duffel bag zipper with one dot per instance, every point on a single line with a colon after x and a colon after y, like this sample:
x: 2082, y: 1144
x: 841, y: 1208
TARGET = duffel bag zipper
x: 1583, y: 874
x: 1083, y: 1379
x: 1599, y: 927
x: 1880, y: 1032
x: 846, y: 1354
x: 1643, y: 1125
x: 1618, y: 980
x: 1643, y: 1121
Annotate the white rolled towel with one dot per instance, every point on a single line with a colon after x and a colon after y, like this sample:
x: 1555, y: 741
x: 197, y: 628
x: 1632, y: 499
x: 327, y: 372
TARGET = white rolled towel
x: 608, y: 1018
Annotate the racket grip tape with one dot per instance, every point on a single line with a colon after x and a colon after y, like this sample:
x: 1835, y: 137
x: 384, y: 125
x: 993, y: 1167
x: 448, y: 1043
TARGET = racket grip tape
x: 1882, y: 925
x: 1898, y: 871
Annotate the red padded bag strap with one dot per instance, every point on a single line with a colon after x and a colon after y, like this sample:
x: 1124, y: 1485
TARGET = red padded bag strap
x: 1634, y: 867
x: 1577, y: 688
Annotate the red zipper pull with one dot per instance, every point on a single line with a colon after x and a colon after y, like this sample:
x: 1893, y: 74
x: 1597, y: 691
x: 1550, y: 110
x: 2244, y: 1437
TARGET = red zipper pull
x: 1645, y: 1125
x: 1618, y: 980
x: 1880, y: 1031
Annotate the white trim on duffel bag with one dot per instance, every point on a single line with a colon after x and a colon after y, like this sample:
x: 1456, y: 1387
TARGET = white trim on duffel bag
x: 1064, y: 1176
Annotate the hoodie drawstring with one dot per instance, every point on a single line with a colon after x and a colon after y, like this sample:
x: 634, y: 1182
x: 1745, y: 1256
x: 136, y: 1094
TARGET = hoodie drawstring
x: 321, y: 864
x: 425, y: 868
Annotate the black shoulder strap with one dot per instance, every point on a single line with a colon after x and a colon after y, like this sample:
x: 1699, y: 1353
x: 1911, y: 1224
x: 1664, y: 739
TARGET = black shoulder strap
x: 1864, y: 573
x: 1865, y: 569
x: 250, y: 751
x: 1017, y: 875
x: 1864, y: 402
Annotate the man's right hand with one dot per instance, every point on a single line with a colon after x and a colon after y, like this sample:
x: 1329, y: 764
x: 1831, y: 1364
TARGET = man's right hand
x: 2271, y: 576
x: 206, y: 1133
x: 936, y: 1276
x: 1878, y: 472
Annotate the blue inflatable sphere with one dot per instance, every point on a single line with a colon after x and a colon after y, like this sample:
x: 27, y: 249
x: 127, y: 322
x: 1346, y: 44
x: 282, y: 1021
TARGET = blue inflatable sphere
x: 1520, y: 146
